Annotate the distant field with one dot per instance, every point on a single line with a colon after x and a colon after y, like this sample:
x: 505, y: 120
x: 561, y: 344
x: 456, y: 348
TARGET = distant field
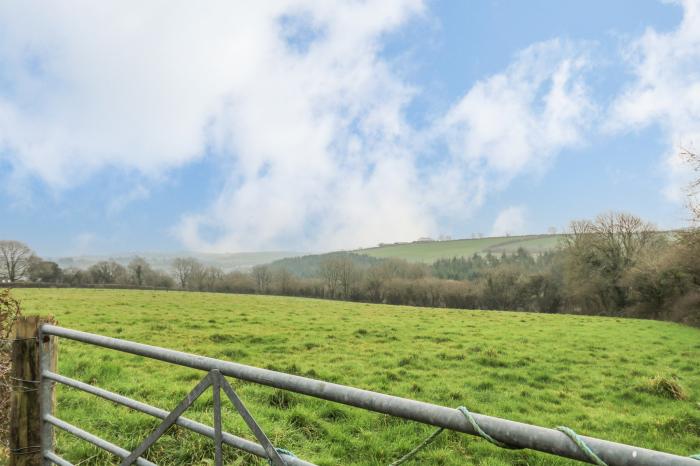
x: 431, y: 251
x: 589, y: 373
x: 163, y: 261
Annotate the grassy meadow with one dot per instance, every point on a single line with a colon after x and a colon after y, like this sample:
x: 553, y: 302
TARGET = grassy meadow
x: 592, y: 374
x: 431, y: 251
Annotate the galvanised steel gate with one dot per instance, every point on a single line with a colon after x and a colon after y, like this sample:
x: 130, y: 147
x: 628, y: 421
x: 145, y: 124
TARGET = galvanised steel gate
x: 512, y: 433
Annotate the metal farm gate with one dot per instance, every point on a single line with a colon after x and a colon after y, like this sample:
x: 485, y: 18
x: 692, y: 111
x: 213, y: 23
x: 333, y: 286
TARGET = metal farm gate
x: 32, y: 438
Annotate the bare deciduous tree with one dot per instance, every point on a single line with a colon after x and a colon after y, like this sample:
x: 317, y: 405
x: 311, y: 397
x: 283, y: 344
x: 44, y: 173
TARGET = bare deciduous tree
x: 208, y: 278
x: 15, y: 258
x: 599, y: 252
x: 349, y: 276
x: 340, y: 275
x: 283, y: 279
x: 138, y: 270
x: 329, y: 271
x: 185, y: 268
x: 263, y: 278
x: 107, y: 272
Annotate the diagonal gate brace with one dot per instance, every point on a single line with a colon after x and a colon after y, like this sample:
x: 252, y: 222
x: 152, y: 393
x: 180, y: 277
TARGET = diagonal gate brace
x: 217, y: 382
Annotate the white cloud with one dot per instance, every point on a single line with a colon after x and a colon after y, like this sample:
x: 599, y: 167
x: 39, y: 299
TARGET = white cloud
x: 295, y: 97
x: 510, y: 221
x: 521, y: 117
x: 514, y: 122
x: 665, y: 91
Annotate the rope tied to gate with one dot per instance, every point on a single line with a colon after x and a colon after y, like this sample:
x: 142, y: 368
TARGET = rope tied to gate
x: 583, y: 446
x: 475, y: 425
x: 570, y: 433
x: 480, y: 431
x: 283, y: 452
x: 580, y: 443
x: 418, y: 448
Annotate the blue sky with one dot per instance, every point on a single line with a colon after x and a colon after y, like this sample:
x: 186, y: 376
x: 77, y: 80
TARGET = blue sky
x: 312, y: 126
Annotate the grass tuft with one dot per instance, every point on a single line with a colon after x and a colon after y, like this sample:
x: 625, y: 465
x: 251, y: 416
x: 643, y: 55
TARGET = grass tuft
x: 234, y: 354
x: 664, y: 386
x: 334, y: 414
x: 221, y: 338
x: 306, y: 424
x: 282, y: 399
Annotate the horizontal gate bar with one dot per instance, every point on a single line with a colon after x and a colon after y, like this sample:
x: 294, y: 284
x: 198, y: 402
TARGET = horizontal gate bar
x: 55, y: 459
x: 88, y: 437
x: 512, y: 433
x: 229, y: 439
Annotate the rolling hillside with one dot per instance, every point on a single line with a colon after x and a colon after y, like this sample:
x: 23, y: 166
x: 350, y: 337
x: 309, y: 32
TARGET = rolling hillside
x: 431, y: 251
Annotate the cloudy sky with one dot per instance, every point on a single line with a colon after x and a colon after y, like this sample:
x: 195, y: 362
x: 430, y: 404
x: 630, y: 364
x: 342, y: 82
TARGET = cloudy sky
x: 312, y: 125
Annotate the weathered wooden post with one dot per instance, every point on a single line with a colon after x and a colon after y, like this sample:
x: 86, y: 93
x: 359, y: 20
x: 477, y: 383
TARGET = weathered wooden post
x: 29, y: 436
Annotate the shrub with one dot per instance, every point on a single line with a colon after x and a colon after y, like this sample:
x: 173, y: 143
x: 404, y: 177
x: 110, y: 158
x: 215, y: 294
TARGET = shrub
x: 9, y: 311
x: 686, y: 309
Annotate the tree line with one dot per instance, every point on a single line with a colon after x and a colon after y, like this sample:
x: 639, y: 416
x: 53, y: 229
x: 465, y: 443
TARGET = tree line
x: 616, y: 264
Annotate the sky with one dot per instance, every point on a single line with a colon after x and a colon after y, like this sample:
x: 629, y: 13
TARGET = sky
x: 311, y: 125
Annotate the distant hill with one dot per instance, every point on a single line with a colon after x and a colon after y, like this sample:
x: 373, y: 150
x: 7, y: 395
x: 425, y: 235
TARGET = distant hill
x: 422, y: 251
x: 162, y: 261
x: 309, y: 265
x: 429, y: 251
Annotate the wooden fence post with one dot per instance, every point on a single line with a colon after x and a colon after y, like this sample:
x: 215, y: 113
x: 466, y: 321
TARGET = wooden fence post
x: 27, y: 394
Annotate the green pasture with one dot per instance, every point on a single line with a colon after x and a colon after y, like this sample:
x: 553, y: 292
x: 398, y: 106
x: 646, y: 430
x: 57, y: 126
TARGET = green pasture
x: 592, y: 374
x: 431, y: 251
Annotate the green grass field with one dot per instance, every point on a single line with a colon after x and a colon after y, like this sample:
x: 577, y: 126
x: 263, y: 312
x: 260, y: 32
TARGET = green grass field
x: 589, y: 373
x: 431, y: 251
